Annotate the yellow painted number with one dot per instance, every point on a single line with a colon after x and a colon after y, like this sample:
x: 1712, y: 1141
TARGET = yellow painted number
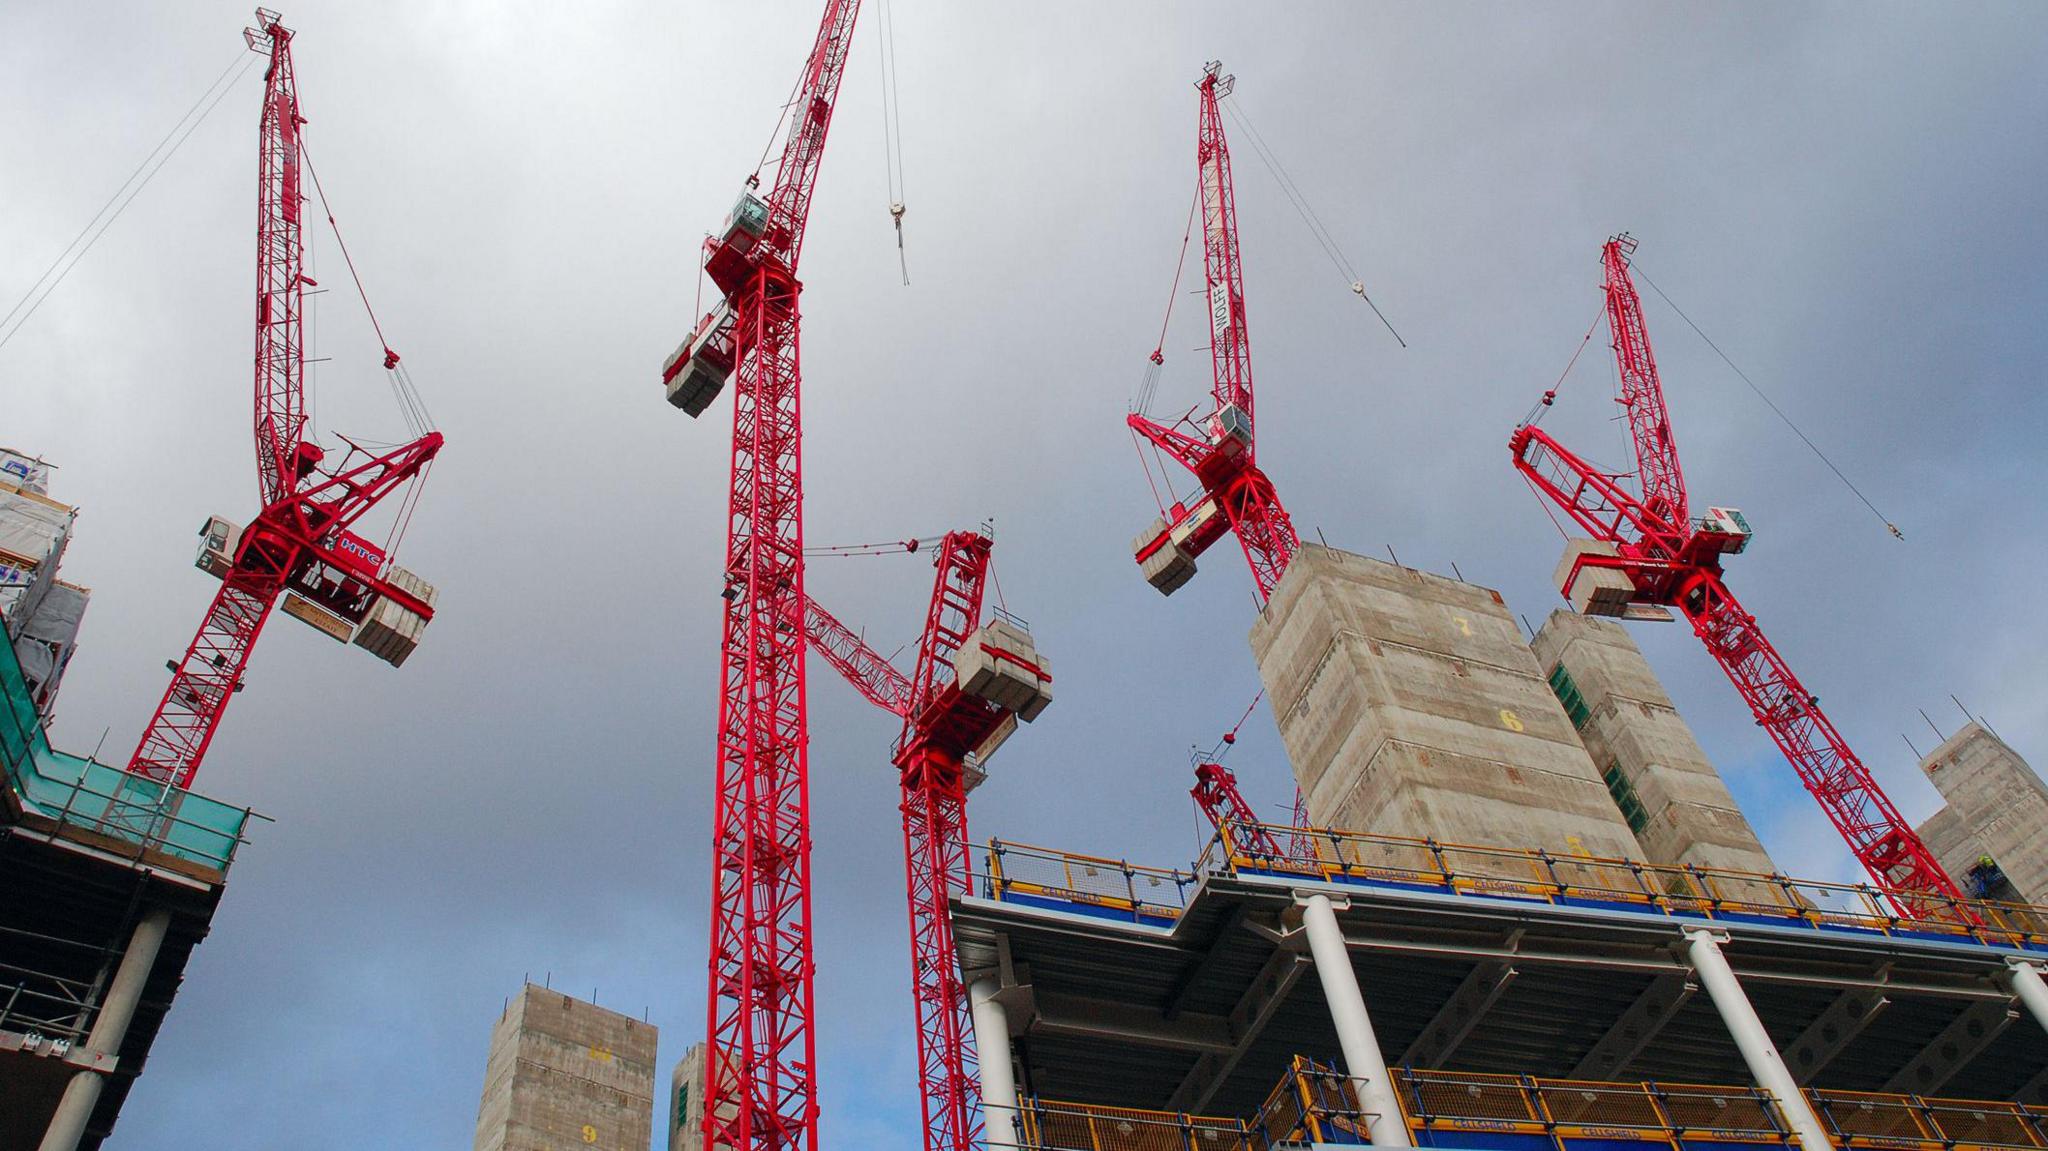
x: 589, y: 1133
x: 1464, y: 625
x: 601, y: 1054
x: 1510, y: 720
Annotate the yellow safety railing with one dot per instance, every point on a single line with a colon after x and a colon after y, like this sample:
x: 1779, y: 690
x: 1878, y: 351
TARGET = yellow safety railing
x: 1053, y: 1126
x: 1864, y: 1119
x: 1137, y: 892
x: 1546, y: 876
x: 1316, y: 1104
x: 1019, y: 872
x: 1562, y: 1112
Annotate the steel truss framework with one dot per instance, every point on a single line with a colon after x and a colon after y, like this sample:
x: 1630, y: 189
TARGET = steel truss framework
x: 1673, y: 561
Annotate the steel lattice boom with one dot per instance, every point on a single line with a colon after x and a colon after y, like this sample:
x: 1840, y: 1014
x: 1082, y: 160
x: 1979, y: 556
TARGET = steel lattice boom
x: 1236, y: 495
x: 943, y: 728
x: 300, y: 542
x: 761, y: 1089
x: 1672, y: 559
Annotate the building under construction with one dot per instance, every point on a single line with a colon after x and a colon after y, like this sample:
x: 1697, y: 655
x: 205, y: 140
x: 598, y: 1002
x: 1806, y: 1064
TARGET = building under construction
x: 1546, y: 926
x: 110, y: 878
x: 564, y: 1072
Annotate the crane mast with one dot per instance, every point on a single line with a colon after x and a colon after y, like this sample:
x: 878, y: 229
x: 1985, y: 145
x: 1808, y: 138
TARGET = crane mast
x: 300, y: 544
x: 1669, y: 559
x: 947, y: 729
x: 761, y: 1094
x: 1236, y: 495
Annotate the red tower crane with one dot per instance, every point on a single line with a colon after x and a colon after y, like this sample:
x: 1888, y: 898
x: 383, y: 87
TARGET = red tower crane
x: 971, y: 686
x: 301, y: 543
x: 1220, y: 451
x: 1649, y: 552
x: 762, y: 1092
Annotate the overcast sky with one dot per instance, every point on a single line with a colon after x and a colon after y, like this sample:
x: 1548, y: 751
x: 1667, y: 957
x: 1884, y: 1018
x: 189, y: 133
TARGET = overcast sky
x: 1847, y: 199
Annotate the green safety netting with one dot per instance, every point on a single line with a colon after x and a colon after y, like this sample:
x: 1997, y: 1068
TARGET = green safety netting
x: 84, y: 793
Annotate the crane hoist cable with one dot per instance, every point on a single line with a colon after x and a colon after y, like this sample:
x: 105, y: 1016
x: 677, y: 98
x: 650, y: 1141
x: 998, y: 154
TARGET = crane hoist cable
x: 910, y: 546
x: 1773, y: 405
x: 97, y: 226
x: 1307, y: 212
x: 411, y: 405
x: 892, y: 125
x: 1538, y: 409
x: 1229, y: 739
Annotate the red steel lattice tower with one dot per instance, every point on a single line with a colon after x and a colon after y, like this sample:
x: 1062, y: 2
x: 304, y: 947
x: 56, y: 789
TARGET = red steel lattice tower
x: 300, y: 542
x: 1668, y: 558
x: 761, y: 1090
x: 944, y: 726
x: 1236, y: 495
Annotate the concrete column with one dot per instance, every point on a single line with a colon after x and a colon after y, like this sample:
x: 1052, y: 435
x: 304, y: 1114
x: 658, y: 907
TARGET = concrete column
x: 998, y: 1077
x: 2031, y: 988
x: 117, y: 1010
x: 1362, y: 1058
x: 1766, y: 1066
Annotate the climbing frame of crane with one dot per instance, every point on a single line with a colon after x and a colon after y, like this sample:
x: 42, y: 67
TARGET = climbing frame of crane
x: 302, y: 544
x: 763, y: 1095
x: 973, y: 682
x: 1647, y: 554
x: 1235, y: 494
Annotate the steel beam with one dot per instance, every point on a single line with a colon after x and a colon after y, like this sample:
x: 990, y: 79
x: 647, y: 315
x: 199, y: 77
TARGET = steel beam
x: 1482, y: 987
x: 1248, y: 1019
x: 1959, y: 1042
x: 1090, y: 1018
x: 1636, y: 1029
x: 2034, y: 1092
x: 1826, y: 1037
x: 1201, y: 967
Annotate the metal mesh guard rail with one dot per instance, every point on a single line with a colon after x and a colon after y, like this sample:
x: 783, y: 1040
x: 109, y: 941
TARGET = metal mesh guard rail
x: 1015, y: 870
x: 1864, y: 1119
x: 1315, y: 1103
x: 1540, y: 875
x: 1497, y: 872
x: 90, y: 795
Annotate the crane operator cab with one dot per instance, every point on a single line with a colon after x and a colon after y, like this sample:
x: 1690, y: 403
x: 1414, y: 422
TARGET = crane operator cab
x: 1231, y: 431
x: 1724, y: 530
x: 726, y: 253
